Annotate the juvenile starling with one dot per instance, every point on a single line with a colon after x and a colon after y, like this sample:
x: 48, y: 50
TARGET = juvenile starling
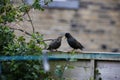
x: 55, y: 44
x: 73, y: 42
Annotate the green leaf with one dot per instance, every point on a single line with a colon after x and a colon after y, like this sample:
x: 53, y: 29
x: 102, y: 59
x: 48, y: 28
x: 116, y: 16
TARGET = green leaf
x: 37, y: 67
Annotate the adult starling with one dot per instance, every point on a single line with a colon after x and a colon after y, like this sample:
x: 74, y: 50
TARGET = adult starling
x: 55, y: 44
x: 73, y: 42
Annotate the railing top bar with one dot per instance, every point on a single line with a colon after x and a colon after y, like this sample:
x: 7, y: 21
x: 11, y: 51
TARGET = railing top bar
x: 64, y: 55
x: 18, y: 58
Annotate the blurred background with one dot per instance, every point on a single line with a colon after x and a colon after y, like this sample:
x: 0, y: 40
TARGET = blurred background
x: 95, y: 23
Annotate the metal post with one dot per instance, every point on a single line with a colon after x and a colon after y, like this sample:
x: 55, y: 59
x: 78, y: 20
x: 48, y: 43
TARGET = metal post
x: 92, y: 69
x: 45, y: 61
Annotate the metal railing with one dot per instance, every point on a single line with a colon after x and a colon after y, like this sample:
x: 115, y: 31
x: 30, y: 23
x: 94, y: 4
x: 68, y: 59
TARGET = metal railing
x: 65, y: 56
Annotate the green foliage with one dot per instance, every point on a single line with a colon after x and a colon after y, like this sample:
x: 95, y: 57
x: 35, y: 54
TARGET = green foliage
x: 98, y: 74
x: 8, y: 13
x: 21, y: 47
x: 10, y: 45
x: 36, y: 5
x: 46, y: 2
x: 24, y: 8
x: 21, y: 70
x: 60, y: 69
x: 6, y: 37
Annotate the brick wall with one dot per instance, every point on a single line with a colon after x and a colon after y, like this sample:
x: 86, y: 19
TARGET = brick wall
x: 95, y: 24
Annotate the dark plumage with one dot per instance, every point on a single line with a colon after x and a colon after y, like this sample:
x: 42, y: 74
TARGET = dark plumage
x: 55, y: 44
x: 73, y: 42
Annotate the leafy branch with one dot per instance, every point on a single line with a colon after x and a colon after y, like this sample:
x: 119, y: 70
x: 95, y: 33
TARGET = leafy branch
x: 21, y: 31
x: 30, y: 34
x: 11, y: 45
x: 27, y: 12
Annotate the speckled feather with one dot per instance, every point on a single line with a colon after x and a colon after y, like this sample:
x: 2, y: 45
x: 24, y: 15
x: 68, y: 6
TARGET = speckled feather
x: 55, y: 44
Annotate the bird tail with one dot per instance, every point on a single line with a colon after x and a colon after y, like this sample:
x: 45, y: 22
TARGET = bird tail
x: 82, y: 47
x: 48, y: 48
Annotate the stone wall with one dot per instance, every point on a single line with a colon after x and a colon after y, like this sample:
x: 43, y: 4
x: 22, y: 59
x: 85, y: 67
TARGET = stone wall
x: 95, y: 24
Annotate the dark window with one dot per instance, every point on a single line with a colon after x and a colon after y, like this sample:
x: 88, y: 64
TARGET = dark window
x: 63, y: 4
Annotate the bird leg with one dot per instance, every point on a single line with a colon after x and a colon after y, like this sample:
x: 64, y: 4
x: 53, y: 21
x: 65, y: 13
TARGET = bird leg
x: 80, y: 52
x: 56, y: 50
x: 73, y: 51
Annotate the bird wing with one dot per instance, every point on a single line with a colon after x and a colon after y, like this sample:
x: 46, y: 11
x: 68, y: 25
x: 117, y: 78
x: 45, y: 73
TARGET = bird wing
x: 54, y: 44
x: 78, y: 44
x: 51, y: 44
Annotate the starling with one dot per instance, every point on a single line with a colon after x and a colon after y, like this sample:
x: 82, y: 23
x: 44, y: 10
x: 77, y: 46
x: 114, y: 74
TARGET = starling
x: 73, y: 42
x: 55, y: 44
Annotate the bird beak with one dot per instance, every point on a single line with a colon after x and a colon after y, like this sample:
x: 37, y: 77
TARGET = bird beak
x: 65, y: 38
